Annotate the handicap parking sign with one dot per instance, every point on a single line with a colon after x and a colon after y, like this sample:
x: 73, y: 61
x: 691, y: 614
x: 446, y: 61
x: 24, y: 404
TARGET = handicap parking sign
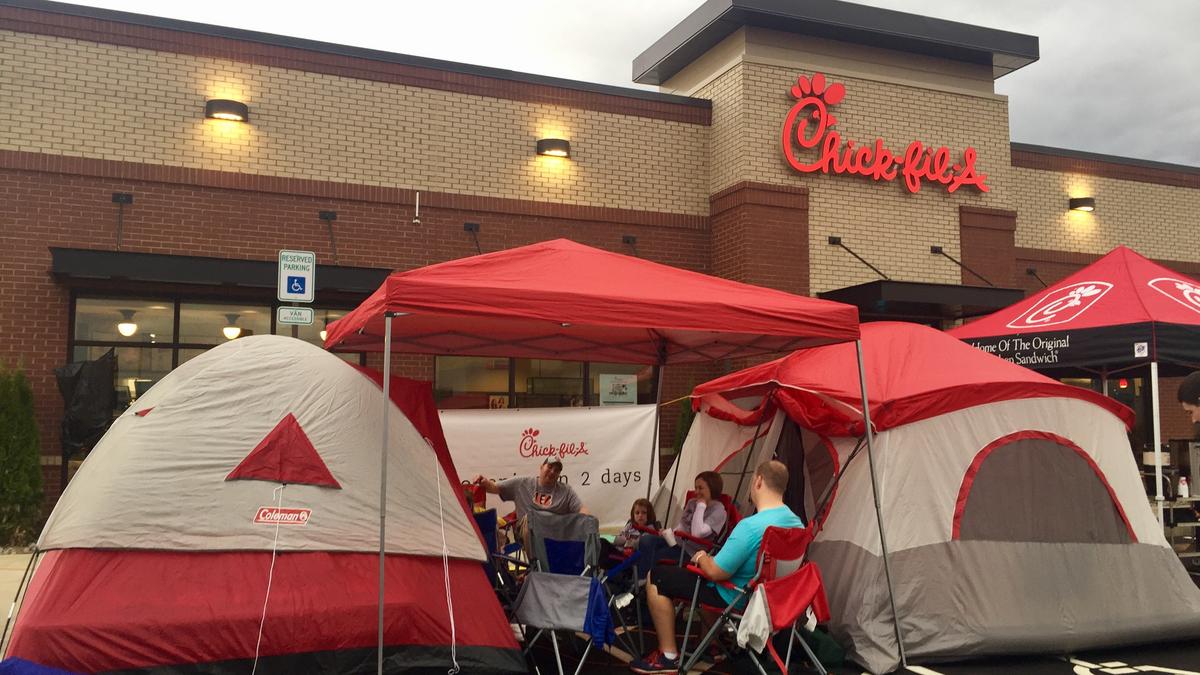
x: 297, y: 274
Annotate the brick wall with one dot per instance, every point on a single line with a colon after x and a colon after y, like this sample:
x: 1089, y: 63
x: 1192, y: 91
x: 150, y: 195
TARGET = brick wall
x: 1157, y: 220
x: 111, y: 101
x: 882, y: 222
x: 53, y: 209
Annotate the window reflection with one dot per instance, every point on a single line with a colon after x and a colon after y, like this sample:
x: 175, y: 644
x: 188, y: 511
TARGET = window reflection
x: 142, y: 331
x: 484, y: 382
x: 124, y: 320
x: 203, y: 323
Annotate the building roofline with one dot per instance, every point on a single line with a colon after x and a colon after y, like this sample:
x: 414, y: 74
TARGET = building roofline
x: 834, y: 20
x: 346, y: 50
x: 1111, y: 159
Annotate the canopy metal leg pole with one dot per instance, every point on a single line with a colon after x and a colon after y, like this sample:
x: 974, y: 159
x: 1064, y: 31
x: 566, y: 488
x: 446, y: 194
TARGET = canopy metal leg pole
x: 1154, y: 415
x: 383, y: 457
x: 869, y: 433
x: 654, y: 438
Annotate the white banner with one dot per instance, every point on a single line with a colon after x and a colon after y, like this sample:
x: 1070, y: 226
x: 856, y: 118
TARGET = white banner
x: 605, y: 451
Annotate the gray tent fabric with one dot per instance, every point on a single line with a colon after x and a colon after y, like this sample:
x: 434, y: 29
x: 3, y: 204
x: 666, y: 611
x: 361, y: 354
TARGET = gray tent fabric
x: 553, y: 601
x: 1038, y: 490
x: 946, y: 592
x: 563, y: 527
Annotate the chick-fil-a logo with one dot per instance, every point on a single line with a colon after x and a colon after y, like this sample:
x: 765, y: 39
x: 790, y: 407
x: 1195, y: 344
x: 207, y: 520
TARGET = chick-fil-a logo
x: 1063, y: 305
x: 1186, y: 293
x: 809, y: 124
x: 530, y: 447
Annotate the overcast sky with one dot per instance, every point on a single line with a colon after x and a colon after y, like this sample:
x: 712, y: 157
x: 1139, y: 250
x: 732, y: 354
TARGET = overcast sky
x: 1115, y: 78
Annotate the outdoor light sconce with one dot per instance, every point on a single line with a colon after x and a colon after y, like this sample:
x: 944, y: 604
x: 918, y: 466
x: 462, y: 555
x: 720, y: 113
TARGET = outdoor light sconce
x: 554, y: 147
x: 1085, y: 204
x: 127, y: 327
x: 232, y: 330
x: 226, y: 109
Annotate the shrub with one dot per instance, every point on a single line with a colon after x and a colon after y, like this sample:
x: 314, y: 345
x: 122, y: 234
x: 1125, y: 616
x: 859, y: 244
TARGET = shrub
x: 20, y: 465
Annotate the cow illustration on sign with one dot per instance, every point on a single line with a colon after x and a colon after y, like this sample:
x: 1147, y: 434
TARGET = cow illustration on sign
x: 1185, y: 293
x: 1063, y: 305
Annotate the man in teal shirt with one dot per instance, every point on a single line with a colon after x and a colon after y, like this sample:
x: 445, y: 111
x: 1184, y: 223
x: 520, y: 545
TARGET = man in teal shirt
x: 737, y: 561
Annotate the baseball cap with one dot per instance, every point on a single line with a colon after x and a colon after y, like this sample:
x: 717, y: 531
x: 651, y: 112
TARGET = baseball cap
x: 554, y: 460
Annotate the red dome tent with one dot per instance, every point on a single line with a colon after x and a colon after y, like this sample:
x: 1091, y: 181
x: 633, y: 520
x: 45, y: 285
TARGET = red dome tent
x: 1121, y: 312
x: 226, y: 522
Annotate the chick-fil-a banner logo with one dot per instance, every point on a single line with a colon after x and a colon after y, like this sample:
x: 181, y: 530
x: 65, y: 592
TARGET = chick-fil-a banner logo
x: 530, y: 447
x: 809, y: 125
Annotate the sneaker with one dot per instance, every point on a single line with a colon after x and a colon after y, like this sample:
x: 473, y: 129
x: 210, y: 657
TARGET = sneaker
x: 655, y: 662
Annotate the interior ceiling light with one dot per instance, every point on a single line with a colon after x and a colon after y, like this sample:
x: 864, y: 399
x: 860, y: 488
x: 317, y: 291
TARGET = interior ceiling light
x: 554, y: 147
x: 226, y: 109
x: 232, y: 330
x: 127, y: 327
x: 1086, y: 204
x: 325, y: 329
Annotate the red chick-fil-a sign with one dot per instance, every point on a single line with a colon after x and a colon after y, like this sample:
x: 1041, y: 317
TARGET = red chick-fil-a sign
x: 809, y: 124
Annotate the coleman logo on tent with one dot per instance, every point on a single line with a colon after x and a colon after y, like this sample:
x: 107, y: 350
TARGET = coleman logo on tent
x: 1063, y: 305
x: 274, y: 515
x: 1185, y: 293
x: 529, y: 446
x: 809, y: 125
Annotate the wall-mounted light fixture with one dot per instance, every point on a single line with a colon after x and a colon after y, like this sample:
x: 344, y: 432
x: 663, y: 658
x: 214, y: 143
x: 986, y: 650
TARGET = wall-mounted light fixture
x: 231, y: 330
x: 127, y: 327
x: 554, y: 147
x: 1085, y: 204
x: 226, y: 109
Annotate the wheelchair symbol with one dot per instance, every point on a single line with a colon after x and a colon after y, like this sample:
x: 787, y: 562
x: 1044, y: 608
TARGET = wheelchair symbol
x: 295, y: 284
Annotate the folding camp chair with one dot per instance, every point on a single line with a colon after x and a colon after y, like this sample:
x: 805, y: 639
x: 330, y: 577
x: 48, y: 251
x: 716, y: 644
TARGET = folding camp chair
x: 564, y: 591
x: 786, y: 587
x: 499, y: 567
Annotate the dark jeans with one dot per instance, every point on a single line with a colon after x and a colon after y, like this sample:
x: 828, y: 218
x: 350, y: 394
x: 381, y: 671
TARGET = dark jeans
x: 651, y: 549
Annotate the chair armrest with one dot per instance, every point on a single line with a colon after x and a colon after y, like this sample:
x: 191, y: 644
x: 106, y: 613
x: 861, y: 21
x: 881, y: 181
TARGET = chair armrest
x: 645, y: 529
x: 726, y: 584
x: 624, y: 565
x: 706, y: 543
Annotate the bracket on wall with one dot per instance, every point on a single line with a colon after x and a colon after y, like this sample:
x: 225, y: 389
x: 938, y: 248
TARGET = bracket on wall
x: 1032, y: 271
x: 121, y: 199
x: 837, y: 241
x: 937, y: 250
x: 473, y: 228
x: 630, y: 241
x: 329, y: 217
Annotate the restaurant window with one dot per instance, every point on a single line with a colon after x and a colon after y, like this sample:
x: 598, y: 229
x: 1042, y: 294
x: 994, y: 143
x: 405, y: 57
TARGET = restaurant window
x: 497, y: 382
x: 152, y: 336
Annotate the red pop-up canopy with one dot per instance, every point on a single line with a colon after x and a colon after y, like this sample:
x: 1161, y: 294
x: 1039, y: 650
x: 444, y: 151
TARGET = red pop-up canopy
x: 1121, y: 310
x: 563, y: 300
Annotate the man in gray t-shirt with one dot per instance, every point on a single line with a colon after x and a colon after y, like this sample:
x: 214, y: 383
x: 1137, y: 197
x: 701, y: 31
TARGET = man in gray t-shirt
x: 543, y: 492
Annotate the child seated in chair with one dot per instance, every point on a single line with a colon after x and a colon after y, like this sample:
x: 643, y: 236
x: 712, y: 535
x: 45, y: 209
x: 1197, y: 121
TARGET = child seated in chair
x: 704, y: 517
x: 641, y: 515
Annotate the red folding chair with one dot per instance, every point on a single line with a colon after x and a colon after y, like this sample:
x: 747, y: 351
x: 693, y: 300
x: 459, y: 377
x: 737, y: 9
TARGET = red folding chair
x: 790, y: 584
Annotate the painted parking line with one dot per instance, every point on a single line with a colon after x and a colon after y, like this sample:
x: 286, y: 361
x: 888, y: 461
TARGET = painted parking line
x: 1121, y: 668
